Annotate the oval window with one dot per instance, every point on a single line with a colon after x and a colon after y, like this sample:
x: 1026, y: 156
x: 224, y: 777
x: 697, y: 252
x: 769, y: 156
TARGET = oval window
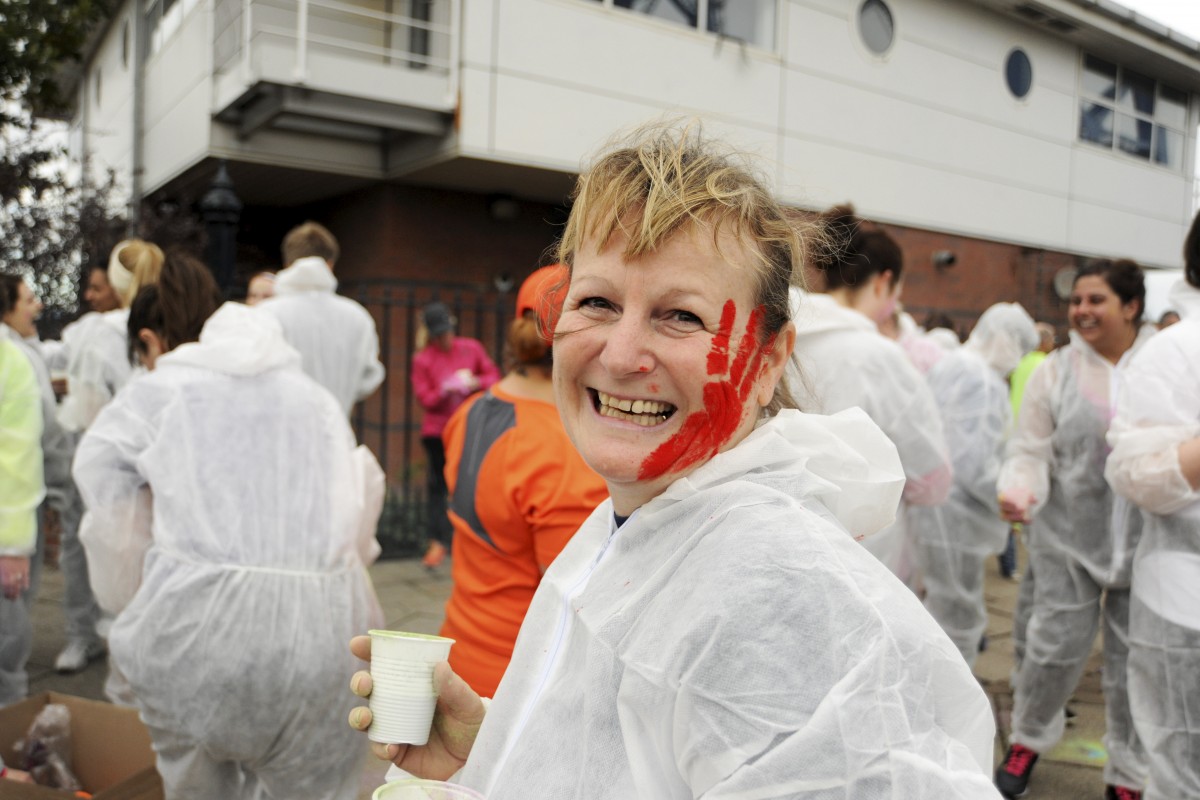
x: 875, y: 25
x: 1018, y: 72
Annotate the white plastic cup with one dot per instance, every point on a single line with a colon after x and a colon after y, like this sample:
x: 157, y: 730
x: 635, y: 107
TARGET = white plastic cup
x: 403, y: 697
x: 418, y: 789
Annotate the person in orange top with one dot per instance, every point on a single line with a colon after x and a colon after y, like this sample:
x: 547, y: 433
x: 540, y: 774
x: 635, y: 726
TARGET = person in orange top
x: 518, y: 492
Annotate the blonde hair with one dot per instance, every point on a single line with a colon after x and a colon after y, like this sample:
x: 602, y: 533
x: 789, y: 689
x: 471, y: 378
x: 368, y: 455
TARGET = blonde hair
x: 141, y: 260
x: 666, y: 179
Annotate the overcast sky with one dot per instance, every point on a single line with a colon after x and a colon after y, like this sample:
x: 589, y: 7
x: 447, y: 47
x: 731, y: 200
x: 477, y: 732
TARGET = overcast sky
x: 1182, y: 15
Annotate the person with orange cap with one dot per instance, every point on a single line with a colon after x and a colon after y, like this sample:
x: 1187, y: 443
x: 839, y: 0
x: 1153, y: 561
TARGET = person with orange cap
x: 518, y: 491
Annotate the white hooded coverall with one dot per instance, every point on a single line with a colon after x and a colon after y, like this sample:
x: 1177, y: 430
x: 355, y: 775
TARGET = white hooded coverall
x: 1158, y: 409
x: 731, y: 640
x: 954, y: 538
x: 841, y: 360
x: 336, y: 337
x: 1080, y: 547
x: 229, y: 522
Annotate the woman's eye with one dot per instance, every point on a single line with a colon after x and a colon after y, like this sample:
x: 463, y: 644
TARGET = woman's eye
x: 685, y: 319
x: 594, y: 304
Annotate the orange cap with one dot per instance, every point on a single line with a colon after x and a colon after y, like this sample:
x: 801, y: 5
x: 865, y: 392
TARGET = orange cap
x: 543, y: 293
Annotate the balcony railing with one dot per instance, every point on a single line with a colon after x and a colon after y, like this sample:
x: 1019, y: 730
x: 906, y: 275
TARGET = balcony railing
x: 401, y: 53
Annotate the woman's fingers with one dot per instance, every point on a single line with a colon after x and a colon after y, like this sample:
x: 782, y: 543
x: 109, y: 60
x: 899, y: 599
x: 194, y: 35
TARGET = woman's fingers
x: 360, y: 646
x: 360, y: 684
x: 360, y: 718
x: 388, y: 752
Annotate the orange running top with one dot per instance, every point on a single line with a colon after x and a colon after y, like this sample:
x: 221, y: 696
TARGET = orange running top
x: 518, y: 493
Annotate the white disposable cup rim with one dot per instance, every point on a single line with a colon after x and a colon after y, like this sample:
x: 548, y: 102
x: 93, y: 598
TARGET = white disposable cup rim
x: 404, y: 646
x: 462, y: 792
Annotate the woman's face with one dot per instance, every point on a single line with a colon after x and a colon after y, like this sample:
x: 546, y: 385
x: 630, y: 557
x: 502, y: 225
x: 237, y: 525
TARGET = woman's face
x: 1098, y: 314
x: 259, y: 289
x: 24, y: 312
x: 99, y: 295
x: 657, y: 361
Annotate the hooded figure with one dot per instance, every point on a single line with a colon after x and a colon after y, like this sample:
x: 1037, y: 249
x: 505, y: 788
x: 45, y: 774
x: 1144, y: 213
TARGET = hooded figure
x: 644, y: 700
x: 230, y: 519
x: 843, y: 361
x: 336, y: 337
x: 1158, y: 420
x: 954, y: 538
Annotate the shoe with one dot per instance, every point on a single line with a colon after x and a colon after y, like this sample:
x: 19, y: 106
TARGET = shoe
x: 78, y: 654
x: 1070, y: 715
x: 983, y: 643
x: 1121, y: 793
x: 434, y: 556
x: 1012, y: 776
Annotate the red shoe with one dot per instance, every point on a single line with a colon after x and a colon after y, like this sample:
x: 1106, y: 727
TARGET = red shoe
x: 1121, y: 793
x: 434, y: 556
x: 1012, y: 776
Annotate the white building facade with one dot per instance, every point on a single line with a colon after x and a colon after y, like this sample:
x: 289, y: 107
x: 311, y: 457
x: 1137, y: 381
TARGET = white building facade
x: 1060, y: 124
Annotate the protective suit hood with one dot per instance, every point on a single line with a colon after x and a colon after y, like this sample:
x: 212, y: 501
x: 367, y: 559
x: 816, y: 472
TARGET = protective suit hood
x: 817, y: 314
x: 1003, y: 335
x: 309, y: 274
x: 845, y: 461
x: 1184, y: 298
x: 237, y: 340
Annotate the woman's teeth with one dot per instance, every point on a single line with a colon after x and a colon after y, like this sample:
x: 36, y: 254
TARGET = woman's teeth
x: 642, y: 412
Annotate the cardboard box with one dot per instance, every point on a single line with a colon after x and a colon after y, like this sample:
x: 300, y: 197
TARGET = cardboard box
x: 111, y: 753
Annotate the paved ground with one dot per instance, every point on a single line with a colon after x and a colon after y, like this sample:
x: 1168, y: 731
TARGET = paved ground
x: 413, y: 599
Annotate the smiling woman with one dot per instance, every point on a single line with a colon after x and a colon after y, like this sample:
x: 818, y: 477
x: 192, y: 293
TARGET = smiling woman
x: 714, y: 630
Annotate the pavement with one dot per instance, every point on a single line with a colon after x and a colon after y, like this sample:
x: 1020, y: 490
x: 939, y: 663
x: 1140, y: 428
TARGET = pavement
x: 413, y: 599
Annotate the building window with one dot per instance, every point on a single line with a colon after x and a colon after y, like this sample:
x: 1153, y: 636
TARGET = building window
x: 1132, y: 113
x: 875, y: 25
x: 750, y: 21
x: 1018, y: 73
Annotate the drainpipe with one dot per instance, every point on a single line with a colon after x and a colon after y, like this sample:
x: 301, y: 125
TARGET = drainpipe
x: 139, y: 115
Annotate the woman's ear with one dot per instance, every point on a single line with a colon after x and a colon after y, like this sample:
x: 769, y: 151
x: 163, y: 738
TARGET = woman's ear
x: 152, y: 347
x: 774, y: 364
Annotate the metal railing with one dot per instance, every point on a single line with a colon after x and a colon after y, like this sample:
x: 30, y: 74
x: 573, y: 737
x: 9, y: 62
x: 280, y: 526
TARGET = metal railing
x: 405, y: 34
x: 389, y: 422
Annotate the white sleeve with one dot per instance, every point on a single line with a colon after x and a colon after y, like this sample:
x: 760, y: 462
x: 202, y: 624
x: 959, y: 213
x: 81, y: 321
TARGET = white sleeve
x: 96, y: 371
x: 1026, y: 468
x: 1158, y: 409
x: 116, y: 530
x: 373, y: 371
x: 372, y: 482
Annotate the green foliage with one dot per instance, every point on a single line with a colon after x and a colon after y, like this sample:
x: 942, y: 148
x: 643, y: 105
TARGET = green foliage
x: 37, y: 39
x: 54, y: 228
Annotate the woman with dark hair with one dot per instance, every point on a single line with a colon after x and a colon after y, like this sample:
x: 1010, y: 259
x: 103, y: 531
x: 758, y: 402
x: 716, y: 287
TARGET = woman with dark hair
x: 1155, y: 463
x: 1079, y: 537
x: 843, y: 361
x: 229, y: 526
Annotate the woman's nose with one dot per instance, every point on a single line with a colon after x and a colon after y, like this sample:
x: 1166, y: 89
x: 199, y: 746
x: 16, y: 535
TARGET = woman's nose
x: 627, y: 348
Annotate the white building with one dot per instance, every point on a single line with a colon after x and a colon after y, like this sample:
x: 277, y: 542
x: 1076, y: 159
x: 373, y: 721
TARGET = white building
x: 1061, y: 124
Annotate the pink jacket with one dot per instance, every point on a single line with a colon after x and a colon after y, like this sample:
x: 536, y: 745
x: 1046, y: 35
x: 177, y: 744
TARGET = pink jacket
x: 437, y: 386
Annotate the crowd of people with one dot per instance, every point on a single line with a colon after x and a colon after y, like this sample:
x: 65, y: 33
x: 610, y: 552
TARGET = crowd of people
x: 714, y: 532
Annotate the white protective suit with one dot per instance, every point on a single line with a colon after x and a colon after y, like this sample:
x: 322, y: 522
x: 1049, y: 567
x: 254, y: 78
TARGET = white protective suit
x: 1080, y: 547
x: 731, y: 640
x: 953, y: 539
x: 229, y: 522
x: 98, y: 366
x: 336, y: 337
x: 841, y: 361
x: 1159, y: 408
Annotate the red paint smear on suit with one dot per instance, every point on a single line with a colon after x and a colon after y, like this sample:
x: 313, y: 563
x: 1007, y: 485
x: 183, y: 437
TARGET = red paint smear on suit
x: 704, y: 432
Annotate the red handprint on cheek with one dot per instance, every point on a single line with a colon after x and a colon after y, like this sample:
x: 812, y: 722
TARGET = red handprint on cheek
x: 704, y: 432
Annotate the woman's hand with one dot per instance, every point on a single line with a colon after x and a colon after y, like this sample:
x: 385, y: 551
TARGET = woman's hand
x: 456, y: 722
x: 14, y: 575
x: 1014, y: 507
